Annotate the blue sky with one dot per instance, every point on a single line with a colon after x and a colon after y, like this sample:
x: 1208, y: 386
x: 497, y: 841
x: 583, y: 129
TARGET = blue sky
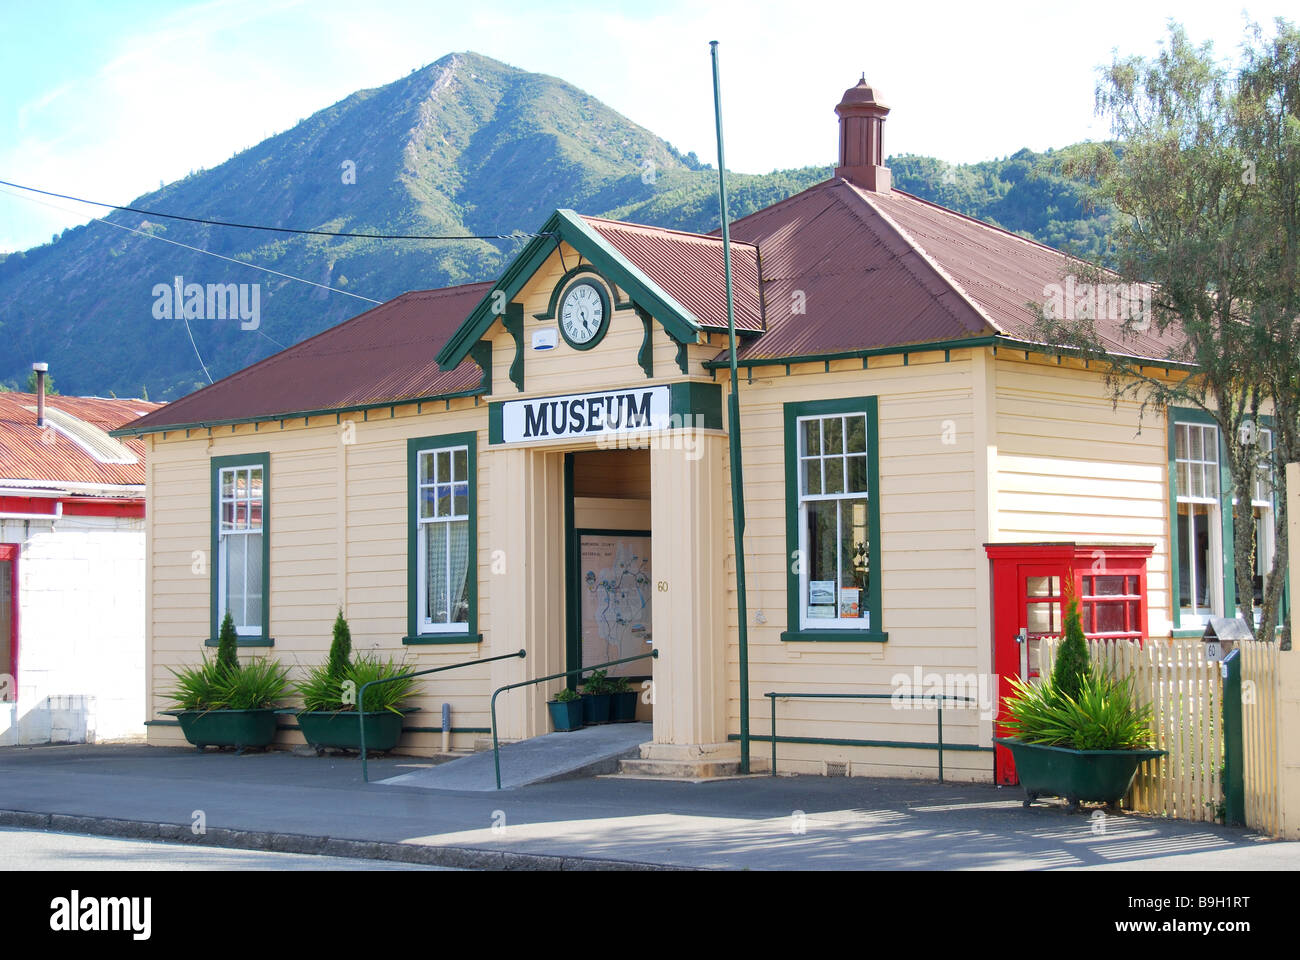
x: 107, y: 100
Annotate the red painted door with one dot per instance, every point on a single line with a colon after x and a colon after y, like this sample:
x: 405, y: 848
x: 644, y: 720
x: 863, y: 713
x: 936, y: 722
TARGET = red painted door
x: 1028, y: 605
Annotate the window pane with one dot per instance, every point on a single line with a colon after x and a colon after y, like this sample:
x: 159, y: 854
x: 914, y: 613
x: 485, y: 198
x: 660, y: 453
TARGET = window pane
x: 457, y: 591
x: 812, y: 442
x: 1195, y: 448
x: 1042, y: 586
x: 1110, y: 618
x: 833, y: 474
x: 1180, y: 441
x: 255, y: 483
x: 253, y: 579
x: 822, y: 545
x: 255, y: 515
x: 854, y: 543
x: 234, y: 574
x: 1184, y: 490
x: 1043, y: 617
x: 461, y: 465
x: 460, y: 500
x: 857, y: 438
x: 832, y: 435
x: 1212, y: 480
x: 436, y: 601
x: 1108, y: 586
x: 227, y: 483
x: 812, y: 470
x: 1198, y: 480
x: 444, y: 466
x: 426, y: 503
x: 857, y: 479
x: 426, y: 468
x: 444, y: 500
x: 227, y: 516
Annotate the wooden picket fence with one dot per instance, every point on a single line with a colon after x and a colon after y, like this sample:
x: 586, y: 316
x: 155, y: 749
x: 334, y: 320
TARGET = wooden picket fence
x: 1261, y: 752
x: 1185, y: 691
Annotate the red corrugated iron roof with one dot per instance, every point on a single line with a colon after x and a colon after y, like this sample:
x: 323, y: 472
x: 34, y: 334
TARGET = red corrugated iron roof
x: 383, y: 355
x: 32, y: 454
x: 689, y: 268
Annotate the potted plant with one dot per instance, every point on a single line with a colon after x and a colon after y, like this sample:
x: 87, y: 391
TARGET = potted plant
x: 596, y: 698
x: 622, y: 704
x: 222, y: 703
x: 330, y: 691
x: 1079, y: 734
x: 566, y: 710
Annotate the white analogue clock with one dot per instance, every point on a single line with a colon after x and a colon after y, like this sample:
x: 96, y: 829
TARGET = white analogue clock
x: 582, y: 314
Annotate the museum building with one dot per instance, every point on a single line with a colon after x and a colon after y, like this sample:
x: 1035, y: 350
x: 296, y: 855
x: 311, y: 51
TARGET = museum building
x: 541, y: 463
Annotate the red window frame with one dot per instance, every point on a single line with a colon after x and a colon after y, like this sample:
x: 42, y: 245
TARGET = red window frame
x: 9, y: 553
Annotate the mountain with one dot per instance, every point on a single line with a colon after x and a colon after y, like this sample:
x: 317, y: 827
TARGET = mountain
x: 464, y: 146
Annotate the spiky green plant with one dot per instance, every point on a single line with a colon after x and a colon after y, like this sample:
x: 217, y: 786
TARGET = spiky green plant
x: 257, y: 685
x: 1102, y: 715
x: 227, y: 641
x: 198, y: 687
x: 321, y: 690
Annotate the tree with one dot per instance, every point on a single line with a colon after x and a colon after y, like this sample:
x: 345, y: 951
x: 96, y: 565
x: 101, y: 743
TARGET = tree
x: 340, y: 649
x: 1071, y: 664
x: 1194, y: 228
x: 32, y: 385
x: 227, y: 654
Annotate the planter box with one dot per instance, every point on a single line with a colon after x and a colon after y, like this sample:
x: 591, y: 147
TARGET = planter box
x: 565, y: 716
x: 227, y: 728
x: 595, y: 707
x: 623, y: 707
x: 1094, y: 776
x: 341, y: 729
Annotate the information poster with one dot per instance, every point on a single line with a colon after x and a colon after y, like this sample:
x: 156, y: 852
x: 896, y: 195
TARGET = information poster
x: 615, y: 599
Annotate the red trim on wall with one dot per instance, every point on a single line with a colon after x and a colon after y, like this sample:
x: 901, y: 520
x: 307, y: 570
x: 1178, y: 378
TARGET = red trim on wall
x: 9, y: 552
x: 76, y: 506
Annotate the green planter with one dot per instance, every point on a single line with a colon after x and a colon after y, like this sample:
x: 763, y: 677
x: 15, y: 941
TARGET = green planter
x: 227, y: 728
x: 341, y: 729
x: 595, y: 707
x: 565, y: 716
x: 1078, y: 776
x: 622, y: 708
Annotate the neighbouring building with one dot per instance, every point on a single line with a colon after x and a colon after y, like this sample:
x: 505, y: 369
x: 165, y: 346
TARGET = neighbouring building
x: 541, y: 463
x: 72, y: 569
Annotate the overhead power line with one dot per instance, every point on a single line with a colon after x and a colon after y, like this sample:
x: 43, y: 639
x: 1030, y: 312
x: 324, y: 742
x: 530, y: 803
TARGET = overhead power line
x: 256, y: 226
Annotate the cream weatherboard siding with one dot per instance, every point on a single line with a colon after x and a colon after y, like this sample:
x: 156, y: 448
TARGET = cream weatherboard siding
x: 338, y: 533
x: 1071, y: 466
x: 930, y: 569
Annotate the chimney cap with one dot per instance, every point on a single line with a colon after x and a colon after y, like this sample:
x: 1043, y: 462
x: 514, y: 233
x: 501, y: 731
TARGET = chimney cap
x: 41, y: 367
x: 862, y: 95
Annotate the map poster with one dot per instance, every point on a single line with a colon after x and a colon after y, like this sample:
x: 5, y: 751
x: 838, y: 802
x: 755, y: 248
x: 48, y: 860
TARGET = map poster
x: 614, y: 599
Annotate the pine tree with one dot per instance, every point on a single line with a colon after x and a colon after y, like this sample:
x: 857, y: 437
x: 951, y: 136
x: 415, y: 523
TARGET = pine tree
x: 1072, y: 656
x: 227, y: 655
x: 340, y: 648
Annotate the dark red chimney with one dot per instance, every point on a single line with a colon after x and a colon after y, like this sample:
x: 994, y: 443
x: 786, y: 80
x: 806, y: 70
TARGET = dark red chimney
x: 862, y: 120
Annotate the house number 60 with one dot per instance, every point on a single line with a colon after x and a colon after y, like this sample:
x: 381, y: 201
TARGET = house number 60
x: 663, y: 586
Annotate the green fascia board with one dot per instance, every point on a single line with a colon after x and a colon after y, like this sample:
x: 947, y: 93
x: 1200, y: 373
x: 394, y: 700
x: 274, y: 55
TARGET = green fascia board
x: 215, y: 466
x: 128, y: 431
x: 567, y: 226
x: 996, y: 340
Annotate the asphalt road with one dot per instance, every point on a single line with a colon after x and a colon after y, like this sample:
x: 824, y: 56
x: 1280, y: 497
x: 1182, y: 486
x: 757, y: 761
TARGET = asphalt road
x: 37, y: 850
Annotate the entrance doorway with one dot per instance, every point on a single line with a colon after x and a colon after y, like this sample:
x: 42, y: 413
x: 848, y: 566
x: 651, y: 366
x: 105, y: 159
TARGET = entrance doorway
x: 609, y: 558
x: 1031, y: 586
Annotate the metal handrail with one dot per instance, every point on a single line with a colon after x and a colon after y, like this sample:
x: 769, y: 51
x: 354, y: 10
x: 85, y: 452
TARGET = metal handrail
x: 361, y: 694
x: 939, y: 697
x: 496, y: 750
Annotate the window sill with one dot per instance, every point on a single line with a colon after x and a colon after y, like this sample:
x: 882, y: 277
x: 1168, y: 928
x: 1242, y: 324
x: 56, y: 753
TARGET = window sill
x: 244, y: 642
x: 834, y: 636
x: 431, y: 639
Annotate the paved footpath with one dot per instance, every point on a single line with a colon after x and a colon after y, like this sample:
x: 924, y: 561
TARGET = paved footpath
x: 291, y: 804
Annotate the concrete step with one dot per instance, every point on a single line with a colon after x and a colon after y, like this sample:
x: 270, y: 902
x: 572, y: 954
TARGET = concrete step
x: 642, y: 768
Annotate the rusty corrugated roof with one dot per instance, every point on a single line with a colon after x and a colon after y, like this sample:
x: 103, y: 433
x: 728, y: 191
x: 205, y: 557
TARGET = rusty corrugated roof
x: 28, y: 453
x: 383, y: 355
x: 688, y: 267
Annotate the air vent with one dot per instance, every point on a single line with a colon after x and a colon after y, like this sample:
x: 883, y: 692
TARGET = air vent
x: 90, y: 438
x: 837, y: 768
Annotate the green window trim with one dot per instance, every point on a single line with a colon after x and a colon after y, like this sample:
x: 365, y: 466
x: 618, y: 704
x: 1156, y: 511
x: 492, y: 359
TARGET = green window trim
x: 794, y: 632
x: 216, y: 465
x: 414, y: 445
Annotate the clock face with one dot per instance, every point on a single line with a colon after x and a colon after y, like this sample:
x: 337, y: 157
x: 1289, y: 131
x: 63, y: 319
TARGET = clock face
x: 582, y: 314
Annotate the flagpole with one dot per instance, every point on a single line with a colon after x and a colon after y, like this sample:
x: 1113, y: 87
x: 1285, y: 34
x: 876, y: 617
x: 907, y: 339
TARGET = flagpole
x: 733, y: 431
